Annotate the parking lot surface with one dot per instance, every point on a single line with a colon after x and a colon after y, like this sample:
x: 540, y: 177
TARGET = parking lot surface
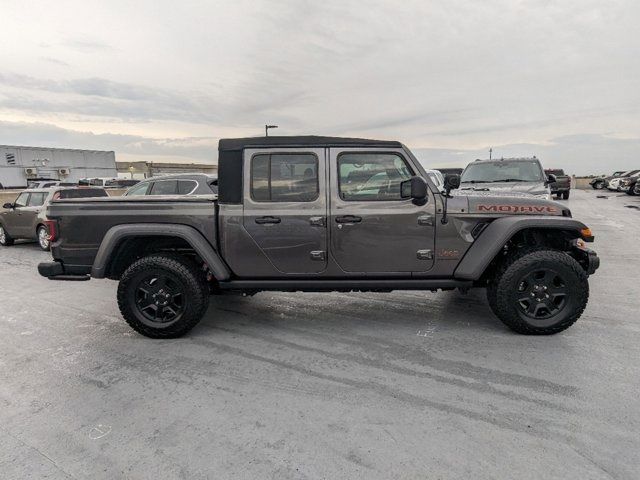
x: 299, y: 385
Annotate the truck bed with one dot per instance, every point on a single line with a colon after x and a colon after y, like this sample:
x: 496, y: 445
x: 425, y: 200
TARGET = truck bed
x: 83, y: 223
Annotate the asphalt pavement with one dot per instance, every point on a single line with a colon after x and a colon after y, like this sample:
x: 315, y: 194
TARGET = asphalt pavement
x: 298, y: 385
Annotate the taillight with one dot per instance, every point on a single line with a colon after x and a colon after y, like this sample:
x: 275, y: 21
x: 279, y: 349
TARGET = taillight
x: 52, y: 228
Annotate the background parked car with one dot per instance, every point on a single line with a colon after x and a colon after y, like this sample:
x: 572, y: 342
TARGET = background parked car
x: 178, y: 184
x: 508, y: 175
x: 26, y: 218
x: 437, y: 178
x: 627, y: 184
x: 602, y: 182
x: 614, y: 183
x: 562, y: 186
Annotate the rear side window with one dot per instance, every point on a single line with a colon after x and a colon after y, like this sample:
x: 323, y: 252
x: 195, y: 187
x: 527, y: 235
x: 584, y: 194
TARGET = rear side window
x: 82, y: 193
x: 284, y: 177
x: 37, y: 199
x: 371, y: 176
x: 185, y: 187
x: 164, y: 187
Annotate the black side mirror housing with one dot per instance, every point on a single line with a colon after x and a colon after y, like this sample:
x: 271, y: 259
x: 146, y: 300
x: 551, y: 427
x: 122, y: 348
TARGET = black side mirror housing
x: 551, y: 178
x: 415, y: 188
x: 8, y: 206
x: 451, y: 182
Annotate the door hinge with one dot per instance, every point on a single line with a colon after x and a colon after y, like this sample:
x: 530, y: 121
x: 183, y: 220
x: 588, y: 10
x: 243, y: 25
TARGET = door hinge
x: 424, y: 255
x: 318, y: 255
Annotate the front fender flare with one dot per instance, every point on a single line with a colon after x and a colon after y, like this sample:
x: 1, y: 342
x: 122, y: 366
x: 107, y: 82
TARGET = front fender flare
x: 498, y: 233
x: 194, y: 238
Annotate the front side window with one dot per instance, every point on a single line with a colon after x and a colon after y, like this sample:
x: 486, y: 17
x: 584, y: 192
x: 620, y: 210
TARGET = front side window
x: 138, y: 190
x: 37, y: 199
x: 164, y: 187
x: 284, y: 177
x: 21, y: 201
x: 371, y: 176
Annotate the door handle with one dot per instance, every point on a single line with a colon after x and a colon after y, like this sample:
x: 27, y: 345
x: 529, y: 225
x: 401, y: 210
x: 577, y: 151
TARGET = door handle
x: 267, y: 220
x: 348, y: 219
x: 316, y: 221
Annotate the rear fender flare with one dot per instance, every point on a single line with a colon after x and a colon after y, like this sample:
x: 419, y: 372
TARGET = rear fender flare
x: 194, y: 238
x: 498, y: 233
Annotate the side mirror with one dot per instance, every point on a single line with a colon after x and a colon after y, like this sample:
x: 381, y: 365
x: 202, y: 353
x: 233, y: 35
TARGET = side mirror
x: 8, y: 206
x: 451, y: 182
x: 551, y: 178
x: 415, y: 187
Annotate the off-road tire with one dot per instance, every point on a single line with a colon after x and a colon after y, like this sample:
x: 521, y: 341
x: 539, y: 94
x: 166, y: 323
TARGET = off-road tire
x: 565, y: 195
x: 182, y: 272
x: 6, y: 240
x: 502, y: 291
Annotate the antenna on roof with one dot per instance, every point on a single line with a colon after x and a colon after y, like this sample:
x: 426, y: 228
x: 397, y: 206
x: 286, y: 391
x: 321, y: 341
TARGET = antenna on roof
x: 266, y: 129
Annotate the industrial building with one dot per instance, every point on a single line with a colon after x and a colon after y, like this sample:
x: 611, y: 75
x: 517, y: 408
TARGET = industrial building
x: 19, y: 165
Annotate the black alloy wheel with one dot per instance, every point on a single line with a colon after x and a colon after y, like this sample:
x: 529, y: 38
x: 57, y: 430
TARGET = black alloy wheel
x: 542, y: 295
x: 160, y: 299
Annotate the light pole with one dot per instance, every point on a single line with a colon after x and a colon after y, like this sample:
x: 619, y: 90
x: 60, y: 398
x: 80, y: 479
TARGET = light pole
x: 266, y: 129
x: 490, y: 152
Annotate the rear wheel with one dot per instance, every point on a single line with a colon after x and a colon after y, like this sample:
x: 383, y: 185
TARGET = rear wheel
x: 43, y: 238
x: 539, y: 292
x: 598, y: 185
x: 565, y: 195
x: 163, y: 296
x: 632, y: 190
x: 5, y: 238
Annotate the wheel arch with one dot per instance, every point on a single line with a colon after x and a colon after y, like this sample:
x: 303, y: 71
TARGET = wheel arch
x: 501, y: 231
x: 119, y: 237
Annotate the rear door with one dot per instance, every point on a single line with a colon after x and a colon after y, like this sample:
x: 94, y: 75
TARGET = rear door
x: 285, y: 207
x: 373, y: 230
x: 30, y: 213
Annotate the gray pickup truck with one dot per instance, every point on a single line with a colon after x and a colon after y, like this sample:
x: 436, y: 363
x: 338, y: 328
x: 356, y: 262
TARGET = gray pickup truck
x: 324, y: 214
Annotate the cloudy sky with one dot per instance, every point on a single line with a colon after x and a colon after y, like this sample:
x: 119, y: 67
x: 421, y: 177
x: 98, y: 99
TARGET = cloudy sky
x: 164, y: 80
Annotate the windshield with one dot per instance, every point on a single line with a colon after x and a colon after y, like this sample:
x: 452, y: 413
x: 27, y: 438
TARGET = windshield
x: 502, y: 171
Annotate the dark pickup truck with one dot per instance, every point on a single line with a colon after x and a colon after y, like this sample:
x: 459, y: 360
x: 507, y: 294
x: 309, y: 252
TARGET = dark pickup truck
x: 324, y: 214
x: 561, y: 184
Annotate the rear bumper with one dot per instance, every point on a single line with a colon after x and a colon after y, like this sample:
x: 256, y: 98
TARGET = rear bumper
x: 57, y: 271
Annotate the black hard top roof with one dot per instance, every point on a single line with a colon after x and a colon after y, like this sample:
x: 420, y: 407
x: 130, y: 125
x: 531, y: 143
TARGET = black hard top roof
x: 227, y: 144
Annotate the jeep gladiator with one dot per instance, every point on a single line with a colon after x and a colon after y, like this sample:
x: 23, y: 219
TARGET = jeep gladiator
x: 324, y: 214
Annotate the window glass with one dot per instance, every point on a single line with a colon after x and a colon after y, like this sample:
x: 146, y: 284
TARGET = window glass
x: 37, y: 199
x: 21, y: 201
x: 501, y: 171
x: 82, y: 193
x: 185, y: 187
x: 372, y: 176
x: 138, y: 190
x: 164, y: 187
x: 284, y: 177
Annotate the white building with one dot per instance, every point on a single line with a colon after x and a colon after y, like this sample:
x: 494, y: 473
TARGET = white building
x: 18, y: 165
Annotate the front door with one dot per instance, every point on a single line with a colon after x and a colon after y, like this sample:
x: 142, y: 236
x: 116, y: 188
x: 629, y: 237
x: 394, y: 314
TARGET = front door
x: 285, y: 207
x: 373, y: 230
x: 16, y: 219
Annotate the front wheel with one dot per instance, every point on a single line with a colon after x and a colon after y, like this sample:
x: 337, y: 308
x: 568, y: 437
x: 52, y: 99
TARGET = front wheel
x: 539, y: 292
x: 598, y: 185
x: 565, y: 195
x: 5, y: 238
x: 163, y: 296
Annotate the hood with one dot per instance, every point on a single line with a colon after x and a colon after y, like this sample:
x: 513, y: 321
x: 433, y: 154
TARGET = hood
x: 531, y: 188
x: 509, y: 203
